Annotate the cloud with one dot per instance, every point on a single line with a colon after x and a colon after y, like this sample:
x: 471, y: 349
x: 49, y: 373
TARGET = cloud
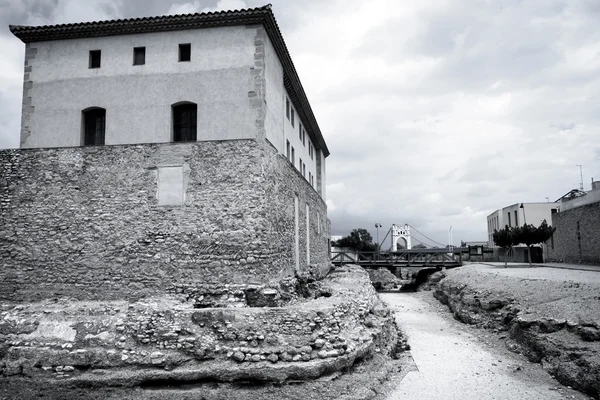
x: 198, y: 6
x: 436, y: 112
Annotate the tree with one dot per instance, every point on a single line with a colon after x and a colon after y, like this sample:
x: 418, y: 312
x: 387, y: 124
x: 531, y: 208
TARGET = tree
x: 530, y: 235
x: 506, y: 238
x: 358, y: 240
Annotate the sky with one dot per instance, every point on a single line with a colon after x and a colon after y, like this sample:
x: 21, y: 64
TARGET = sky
x: 436, y: 112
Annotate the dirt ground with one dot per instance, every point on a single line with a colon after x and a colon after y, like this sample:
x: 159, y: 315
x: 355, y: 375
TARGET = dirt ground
x: 550, y: 315
x: 452, y: 360
x: 494, y: 364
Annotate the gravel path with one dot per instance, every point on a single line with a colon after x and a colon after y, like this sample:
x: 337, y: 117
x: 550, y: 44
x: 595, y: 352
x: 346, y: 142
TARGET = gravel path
x: 455, y: 361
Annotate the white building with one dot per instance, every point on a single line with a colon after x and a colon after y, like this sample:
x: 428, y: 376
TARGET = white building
x: 519, y: 214
x: 196, y: 77
x: 191, y: 133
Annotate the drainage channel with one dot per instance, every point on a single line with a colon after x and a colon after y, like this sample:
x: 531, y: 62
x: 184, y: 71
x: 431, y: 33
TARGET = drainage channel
x: 452, y: 362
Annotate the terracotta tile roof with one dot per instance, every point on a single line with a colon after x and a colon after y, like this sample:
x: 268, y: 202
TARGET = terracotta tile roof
x: 259, y: 15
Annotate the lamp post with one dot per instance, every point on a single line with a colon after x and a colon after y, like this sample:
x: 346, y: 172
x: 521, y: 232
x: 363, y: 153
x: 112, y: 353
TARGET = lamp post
x: 377, y: 226
x: 581, y: 175
x: 524, y: 217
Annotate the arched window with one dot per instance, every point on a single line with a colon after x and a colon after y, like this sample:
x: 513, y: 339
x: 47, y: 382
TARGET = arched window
x: 94, y: 122
x: 185, y: 117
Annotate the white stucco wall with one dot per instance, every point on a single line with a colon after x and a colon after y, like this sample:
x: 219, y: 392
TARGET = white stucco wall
x: 278, y: 126
x: 138, y: 98
x: 275, y: 98
x: 535, y: 213
x: 495, y: 221
x: 591, y: 197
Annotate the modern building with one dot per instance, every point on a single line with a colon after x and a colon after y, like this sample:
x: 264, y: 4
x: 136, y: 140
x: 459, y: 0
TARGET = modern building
x: 577, y: 236
x: 162, y: 153
x: 517, y: 215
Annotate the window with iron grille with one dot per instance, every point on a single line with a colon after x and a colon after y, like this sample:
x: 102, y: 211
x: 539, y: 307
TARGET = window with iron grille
x: 184, y: 122
x: 139, y: 55
x: 94, y: 125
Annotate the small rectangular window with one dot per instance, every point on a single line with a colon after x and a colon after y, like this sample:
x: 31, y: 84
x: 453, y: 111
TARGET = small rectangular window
x: 139, y: 55
x: 95, y: 58
x: 300, y: 166
x: 292, y: 117
x: 300, y: 131
x: 304, y: 137
x: 304, y: 170
x: 287, y: 108
x: 516, y: 218
x: 293, y: 157
x: 185, y: 52
x: 287, y: 150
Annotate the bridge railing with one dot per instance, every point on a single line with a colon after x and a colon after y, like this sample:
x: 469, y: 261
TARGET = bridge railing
x: 418, y: 256
x: 356, y: 256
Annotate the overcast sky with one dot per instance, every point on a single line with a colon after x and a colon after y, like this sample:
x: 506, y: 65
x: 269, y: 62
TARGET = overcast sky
x: 436, y: 112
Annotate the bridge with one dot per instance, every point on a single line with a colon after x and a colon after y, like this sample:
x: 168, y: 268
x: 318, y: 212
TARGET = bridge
x: 400, y: 258
x: 401, y: 262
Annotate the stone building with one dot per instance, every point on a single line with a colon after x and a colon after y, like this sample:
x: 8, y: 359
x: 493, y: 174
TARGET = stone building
x: 577, y: 235
x: 171, y: 153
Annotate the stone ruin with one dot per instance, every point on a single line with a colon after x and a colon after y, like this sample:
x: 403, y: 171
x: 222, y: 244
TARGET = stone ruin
x: 297, y: 330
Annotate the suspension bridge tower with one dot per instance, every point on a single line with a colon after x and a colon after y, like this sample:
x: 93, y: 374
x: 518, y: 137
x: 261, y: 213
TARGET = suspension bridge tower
x: 400, y: 232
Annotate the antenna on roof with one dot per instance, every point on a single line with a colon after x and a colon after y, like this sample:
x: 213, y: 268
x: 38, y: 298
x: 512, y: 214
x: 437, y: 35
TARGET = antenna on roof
x: 581, y: 174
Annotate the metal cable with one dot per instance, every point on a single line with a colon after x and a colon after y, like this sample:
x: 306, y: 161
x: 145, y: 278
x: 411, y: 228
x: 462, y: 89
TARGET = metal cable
x: 438, y: 243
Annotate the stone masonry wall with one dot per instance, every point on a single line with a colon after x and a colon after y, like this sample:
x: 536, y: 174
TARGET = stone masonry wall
x: 284, y: 183
x: 85, y: 222
x: 577, y: 236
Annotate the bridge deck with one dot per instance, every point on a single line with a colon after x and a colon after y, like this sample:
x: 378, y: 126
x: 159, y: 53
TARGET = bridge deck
x: 402, y: 258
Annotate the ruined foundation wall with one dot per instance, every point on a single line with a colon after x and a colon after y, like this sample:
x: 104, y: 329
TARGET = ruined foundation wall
x: 577, y: 236
x: 86, y: 221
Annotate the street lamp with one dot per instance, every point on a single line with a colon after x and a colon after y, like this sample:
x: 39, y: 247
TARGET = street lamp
x: 377, y: 226
x: 524, y: 217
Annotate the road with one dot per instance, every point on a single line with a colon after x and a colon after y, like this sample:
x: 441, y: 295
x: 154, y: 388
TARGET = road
x: 456, y: 361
